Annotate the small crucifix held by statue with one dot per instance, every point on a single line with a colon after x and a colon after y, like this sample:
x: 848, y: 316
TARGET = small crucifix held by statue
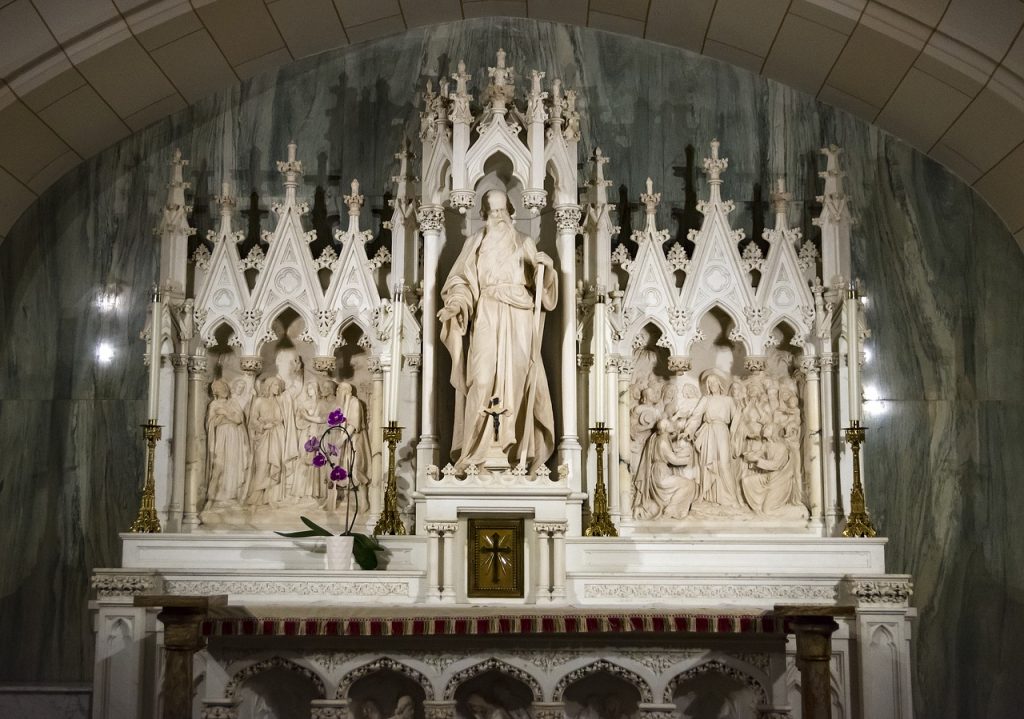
x: 496, y: 457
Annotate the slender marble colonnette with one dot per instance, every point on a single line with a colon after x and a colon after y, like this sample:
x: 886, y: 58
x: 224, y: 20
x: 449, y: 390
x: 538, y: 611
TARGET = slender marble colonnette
x: 942, y: 463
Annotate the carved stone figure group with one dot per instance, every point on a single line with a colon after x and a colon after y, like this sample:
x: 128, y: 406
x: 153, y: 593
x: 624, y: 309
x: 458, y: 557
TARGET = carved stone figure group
x: 722, y: 446
x: 256, y: 429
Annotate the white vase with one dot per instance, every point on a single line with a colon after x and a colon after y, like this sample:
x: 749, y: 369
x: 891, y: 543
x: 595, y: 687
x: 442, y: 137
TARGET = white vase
x: 338, y: 557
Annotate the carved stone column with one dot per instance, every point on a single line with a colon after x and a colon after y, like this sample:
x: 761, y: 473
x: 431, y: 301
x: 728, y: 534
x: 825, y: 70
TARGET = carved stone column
x: 431, y: 222
x: 438, y: 710
x: 543, y: 583
x: 558, y: 562
x: 812, y: 438
x: 610, y: 377
x: 328, y: 709
x: 195, y: 449
x: 219, y: 709
x: 433, y: 562
x: 832, y: 497
x: 773, y: 713
x: 179, y: 363
x: 378, y: 480
x: 447, y: 531
x: 182, y: 618
x: 567, y: 220
x: 584, y: 368
x: 625, y: 442
x: 813, y: 659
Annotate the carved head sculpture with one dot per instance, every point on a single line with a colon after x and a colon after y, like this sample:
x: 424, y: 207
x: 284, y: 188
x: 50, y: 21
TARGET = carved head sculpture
x: 219, y: 389
x: 479, y: 706
x: 405, y: 708
x: 273, y: 387
x: 738, y: 391
x: 715, y: 381
x: 310, y: 390
x: 370, y: 710
x: 289, y: 363
x: 344, y: 391
x: 239, y: 387
x: 496, y: 209
x: 325, y: 388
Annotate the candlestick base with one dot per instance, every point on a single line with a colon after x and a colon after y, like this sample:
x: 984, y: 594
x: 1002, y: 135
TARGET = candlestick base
x: 858, y: 522
x: 147, y: 522
x: 600, y: 524
x: 390, y: 521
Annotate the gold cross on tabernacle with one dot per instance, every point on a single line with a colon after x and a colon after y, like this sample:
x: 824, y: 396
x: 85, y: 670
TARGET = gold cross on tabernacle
x: 495, y: 556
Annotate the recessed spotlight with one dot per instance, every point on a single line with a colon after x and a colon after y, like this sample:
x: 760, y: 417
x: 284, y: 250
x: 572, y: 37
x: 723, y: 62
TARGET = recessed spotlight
x: 104, y: 352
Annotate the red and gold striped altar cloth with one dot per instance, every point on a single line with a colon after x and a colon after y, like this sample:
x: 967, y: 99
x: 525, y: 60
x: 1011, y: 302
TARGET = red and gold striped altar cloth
x: 486, y: 622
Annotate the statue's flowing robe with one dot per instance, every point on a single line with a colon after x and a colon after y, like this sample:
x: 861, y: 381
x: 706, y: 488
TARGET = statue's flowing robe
x: 492, y: 280
x: 228, y: 454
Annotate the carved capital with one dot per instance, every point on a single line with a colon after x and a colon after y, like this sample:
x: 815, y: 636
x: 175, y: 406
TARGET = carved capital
x: 828, y: 362
x: 219, y: 709
x: 430, y: 218
x: 324, y: 365
x: 108, y: 586
x: 882, y: 592
x: 755, y: 363
x: 678, y: 364
x: 774, y: 714
x: 461, y: 200
x: 567, y: 218
x: 585, y: 361
x: 329, y: 709
x: 438, y: 710
x: 252, y: 365
x: 179, y: 362
x: 375, y: 367
x: 443, y: 528
x: 547, y: 529
x: 534, y: 200
x: 809, y: 366
x: 412, y: 361
x: 197, y: 365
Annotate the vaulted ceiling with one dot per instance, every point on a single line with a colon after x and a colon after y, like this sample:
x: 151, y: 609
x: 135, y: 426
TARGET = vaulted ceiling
x: 945, y: 75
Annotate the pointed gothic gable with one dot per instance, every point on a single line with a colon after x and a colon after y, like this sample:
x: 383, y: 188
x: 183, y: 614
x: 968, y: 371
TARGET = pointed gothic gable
x: 288, y: 277
x: 718, y: 276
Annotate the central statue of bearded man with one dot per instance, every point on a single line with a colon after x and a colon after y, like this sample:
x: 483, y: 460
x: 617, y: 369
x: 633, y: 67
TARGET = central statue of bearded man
x: 493, y: 304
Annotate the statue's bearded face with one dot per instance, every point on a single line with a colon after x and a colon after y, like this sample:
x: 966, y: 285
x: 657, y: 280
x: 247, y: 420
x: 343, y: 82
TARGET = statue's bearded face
x: 498, y: 219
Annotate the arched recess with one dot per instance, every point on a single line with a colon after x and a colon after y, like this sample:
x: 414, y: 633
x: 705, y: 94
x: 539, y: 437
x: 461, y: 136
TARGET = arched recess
x: 284, y: 312
x: 784, y: 347
x: 481, y: 153
x: 603, y: 666
x: 731, y: 332
x: 385, y: 664
x: 493, y: 666
x: 234, y: 686
x: 715, y: 665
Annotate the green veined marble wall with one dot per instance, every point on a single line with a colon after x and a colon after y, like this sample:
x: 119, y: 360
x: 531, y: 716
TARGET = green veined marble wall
x: 943, y: 463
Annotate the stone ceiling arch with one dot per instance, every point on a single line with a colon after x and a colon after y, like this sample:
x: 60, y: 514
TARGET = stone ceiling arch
x: 946, y: 76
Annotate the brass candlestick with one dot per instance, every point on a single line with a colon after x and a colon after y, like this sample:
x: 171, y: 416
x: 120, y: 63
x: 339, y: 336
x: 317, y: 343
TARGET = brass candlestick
x: 147, y: 522
x: 858, y: 523
x: 390, y: 522
x: 600, y: 520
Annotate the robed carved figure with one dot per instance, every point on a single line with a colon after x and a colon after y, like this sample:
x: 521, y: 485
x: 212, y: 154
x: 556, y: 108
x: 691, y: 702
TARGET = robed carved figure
x: 492, y: 301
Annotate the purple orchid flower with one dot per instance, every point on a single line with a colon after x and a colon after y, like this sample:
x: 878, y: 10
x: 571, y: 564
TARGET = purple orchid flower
x: 335, y: 418
x: 338, y: 474
x: 332, y: 449
x: 312, y: 444
x: 319, y: 460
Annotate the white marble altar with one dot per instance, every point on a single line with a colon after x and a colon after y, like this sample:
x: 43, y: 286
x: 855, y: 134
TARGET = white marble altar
x: 521, y: 321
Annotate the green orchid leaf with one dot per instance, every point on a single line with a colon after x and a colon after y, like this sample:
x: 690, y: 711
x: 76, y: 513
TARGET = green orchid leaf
x: 363, y: 550
x: 318, y: 531
x: 299, y: 534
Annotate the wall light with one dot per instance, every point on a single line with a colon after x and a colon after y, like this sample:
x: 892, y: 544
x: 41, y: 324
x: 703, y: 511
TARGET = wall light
x: 108, y: 298
x: 104, y: 352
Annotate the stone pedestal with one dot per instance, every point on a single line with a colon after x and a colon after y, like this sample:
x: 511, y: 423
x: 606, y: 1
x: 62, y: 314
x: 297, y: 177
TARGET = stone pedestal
x: 813, y: 627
